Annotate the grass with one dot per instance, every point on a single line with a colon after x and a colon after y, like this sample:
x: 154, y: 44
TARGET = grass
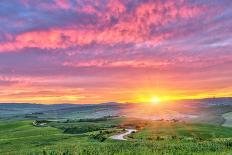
x: 167, y: 130
x: 21, y: 137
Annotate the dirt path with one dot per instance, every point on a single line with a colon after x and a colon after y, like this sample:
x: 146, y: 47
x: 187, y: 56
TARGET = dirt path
x: 228, y: 119
x: 121, y: 136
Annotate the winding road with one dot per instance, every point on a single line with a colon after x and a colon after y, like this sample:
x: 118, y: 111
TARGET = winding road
x: 228, y: 119
x: 121, y: 136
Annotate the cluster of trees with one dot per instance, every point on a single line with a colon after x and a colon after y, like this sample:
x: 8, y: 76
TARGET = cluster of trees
x: 81, y: 129
x: 105, y: 118
x: 102, y: 135
x: 40, y: 122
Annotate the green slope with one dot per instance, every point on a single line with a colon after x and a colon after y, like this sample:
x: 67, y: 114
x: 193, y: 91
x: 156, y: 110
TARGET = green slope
x: 21, y: 137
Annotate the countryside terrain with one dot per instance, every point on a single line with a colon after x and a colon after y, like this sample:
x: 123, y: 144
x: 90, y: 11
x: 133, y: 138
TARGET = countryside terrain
x: 187, y: 127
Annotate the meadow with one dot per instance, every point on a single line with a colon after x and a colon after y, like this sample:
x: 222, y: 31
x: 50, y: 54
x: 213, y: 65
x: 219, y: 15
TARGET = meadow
x: 90, y: 136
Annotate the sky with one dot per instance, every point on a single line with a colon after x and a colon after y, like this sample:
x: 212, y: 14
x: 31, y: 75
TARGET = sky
x: 94, y: 51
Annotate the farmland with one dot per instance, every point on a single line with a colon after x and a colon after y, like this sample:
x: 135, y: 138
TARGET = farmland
x: 202, y: 128
x: 21, y: 137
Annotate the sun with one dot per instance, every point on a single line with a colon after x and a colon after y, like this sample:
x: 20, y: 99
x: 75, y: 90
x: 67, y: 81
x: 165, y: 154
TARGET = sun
x: 155, y: 100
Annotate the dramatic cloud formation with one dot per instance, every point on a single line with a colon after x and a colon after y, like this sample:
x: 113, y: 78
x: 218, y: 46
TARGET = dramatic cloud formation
x: 89, y: 51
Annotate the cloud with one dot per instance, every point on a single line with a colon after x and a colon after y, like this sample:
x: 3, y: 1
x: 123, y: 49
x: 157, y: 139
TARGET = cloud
x: 131, y: 27
x: 109, y: 49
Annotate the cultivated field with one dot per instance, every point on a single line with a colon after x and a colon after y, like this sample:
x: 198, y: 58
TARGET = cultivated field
x: 196, y: 127
x: 92, y: 137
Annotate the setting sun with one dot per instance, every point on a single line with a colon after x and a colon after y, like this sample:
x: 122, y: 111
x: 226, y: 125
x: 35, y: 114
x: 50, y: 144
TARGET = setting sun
x: 155, y: 100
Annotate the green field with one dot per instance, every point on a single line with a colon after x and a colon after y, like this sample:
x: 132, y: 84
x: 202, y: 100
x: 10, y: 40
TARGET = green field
x: 91, y: 137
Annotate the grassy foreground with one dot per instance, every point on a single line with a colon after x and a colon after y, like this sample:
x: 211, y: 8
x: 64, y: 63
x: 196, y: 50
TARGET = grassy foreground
x: 91, y: 137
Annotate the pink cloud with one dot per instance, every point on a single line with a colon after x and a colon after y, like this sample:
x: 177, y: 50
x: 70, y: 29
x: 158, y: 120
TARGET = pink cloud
x: 63, y: 4
x: 134, y: 27
x: 116, y: 7
x: 120, y: 63
x: 55, y: 4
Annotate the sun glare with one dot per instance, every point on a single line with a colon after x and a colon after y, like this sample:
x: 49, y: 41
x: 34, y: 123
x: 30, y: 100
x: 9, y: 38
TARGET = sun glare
x: 155, y: 100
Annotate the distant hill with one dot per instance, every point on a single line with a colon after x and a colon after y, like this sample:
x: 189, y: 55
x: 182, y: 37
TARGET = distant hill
x: 213, y: 107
